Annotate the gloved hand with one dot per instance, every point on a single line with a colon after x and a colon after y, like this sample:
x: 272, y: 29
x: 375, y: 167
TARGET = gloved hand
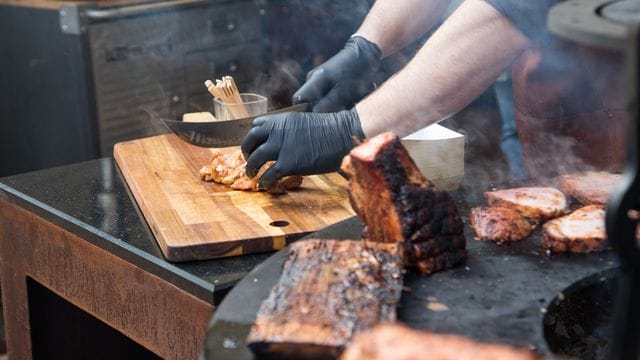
x: 342, y: 80
x: 300, y: 143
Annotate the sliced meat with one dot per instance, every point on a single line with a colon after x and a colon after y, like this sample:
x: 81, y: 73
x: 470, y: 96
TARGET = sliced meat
x: 230, y: 169
x: 398, y: 342
x: 329, y: 290
x: 580, y: 232
x: 590, y: 187
x: 536, y: 203
x: 397, y: 204
x: 499, y: 224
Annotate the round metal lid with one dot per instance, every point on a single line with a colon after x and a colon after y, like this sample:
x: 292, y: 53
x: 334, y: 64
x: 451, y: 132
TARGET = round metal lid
x: 599, y: 23
x: 623, y: 11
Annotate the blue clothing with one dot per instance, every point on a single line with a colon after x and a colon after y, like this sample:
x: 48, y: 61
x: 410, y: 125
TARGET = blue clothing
x: 529, y: 16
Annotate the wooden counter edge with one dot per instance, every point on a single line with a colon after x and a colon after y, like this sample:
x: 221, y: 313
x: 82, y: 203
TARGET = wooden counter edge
x: 96, y: 281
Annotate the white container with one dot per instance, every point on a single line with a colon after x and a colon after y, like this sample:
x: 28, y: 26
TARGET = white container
x: 439, y: 154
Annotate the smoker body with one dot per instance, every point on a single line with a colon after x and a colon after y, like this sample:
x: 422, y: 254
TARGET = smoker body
x: 83, y: 77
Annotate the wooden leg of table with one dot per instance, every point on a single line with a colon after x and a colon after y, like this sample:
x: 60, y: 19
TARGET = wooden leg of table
x: 145, y: 308
x: 16, y: 311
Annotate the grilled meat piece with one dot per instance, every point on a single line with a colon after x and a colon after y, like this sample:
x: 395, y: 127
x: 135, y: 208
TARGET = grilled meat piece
x: 499, y: 224
x: 328, y: 291
x: 580, y: 232
x: 536, y: 203
x: 398, y: 204
x: 230, y: 169
x: 398, y: 342
x: 590, y: 187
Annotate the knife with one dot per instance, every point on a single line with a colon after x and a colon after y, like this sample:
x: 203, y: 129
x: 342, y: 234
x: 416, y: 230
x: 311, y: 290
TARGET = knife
x: 220, y: 133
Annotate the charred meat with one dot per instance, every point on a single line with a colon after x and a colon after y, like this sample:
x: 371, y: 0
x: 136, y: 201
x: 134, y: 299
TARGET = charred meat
x: 401, y: 343
x: 499, y: 224
x: 397, y: 204
x: 580, y: 232
x: 590, y: 187
x: 230, y: 169
x: 329, y: 290
x: 536, y: 203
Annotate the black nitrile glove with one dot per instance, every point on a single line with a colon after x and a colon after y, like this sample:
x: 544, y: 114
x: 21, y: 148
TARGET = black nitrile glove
x: 342, y: 80
x: 300, y: 143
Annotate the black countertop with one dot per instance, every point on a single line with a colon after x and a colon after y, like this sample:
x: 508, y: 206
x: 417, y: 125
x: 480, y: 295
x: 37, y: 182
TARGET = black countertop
x: 91, y: 200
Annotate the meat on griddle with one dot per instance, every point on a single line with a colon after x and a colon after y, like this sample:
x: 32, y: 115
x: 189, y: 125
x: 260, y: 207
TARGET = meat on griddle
x: 535, y: 203
x: 580, y: 232
x: 591, y: 187
x: 499, y: 224
x: 230, y: 169
x: 393, y: 341
x: 328, y: 291
x: 397, y: 204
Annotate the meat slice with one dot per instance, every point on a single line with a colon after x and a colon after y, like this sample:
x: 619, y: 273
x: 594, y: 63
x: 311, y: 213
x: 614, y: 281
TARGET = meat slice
x: 499, y: 224
x: 536, y: 203
x: 397, y: 204
x: 580, y: 232
x: 229, y: 168
x: 329, y: 290
x: 590, y: 187
x: 398, y: 342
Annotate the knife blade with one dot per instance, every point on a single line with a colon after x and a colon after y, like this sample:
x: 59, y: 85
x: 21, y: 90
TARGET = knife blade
x: 220, y: 133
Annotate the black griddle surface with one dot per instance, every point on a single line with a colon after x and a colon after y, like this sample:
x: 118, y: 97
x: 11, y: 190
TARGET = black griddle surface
x: 500, y: 295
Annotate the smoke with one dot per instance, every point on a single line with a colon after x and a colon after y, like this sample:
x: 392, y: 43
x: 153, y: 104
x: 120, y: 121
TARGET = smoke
x: 300, y: 35
x: 570, y: 106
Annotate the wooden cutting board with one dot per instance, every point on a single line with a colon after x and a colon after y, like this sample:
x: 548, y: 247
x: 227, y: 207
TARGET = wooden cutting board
x: 192, y: 219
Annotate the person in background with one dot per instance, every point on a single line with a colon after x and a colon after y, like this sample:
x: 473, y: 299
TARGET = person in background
x: 459, y: 61
x: 509, y: 141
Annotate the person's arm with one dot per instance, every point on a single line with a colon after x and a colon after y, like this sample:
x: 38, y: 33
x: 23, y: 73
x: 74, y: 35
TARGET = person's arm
x: 347, y: 77
x: 393, y: 24
x: 458, y: 62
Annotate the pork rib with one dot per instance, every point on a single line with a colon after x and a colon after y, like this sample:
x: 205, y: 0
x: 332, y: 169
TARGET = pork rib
x: 397, y: 204
x: 499, y: 224
x: 392, y: 341
x: 328, y: 291
x: 580, y: 232
x: 590, y: 187
x: 536, y: 203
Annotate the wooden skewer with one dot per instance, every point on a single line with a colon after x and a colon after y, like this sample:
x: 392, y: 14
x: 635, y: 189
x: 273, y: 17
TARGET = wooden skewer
x: 226, y: 91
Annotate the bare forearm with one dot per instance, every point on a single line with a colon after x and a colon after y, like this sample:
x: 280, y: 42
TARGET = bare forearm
x: 393, y: 24
x: 461, y: 60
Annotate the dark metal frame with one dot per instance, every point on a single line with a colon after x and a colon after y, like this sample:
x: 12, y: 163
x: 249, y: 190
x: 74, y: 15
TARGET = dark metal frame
x: 622, y: 221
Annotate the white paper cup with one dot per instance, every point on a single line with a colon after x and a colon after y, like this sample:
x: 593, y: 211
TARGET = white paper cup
x: 439, y: 154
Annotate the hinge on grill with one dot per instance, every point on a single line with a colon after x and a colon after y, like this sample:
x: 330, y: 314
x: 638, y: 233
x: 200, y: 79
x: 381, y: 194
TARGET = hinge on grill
x: 72, y: 20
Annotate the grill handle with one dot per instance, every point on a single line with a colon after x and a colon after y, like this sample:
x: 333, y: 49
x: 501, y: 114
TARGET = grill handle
x: 94, y: 14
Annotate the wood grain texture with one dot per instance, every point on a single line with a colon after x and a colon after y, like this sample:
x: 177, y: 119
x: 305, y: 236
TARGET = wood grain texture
x: 192, y: 219
x: 149, y: 310
x: 329, y: 290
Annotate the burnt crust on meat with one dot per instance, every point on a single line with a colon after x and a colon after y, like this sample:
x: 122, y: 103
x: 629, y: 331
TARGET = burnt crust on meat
x: 329, y: 291
x: 582, y: 231
x: 398, y: 204
x: 499, y: 224
x: 535, y: 203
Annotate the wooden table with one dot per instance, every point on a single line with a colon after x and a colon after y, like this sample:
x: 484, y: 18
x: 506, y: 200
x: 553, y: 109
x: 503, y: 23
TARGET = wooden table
x: 83, y: 278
